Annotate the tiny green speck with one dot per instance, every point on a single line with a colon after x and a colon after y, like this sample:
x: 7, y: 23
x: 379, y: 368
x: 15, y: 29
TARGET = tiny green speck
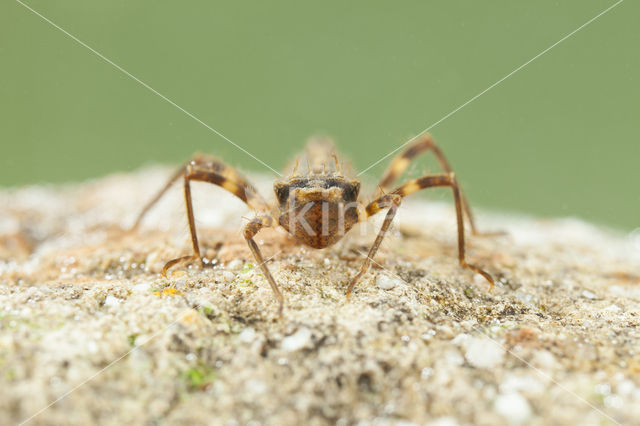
x: 132, y: 340
x: 246, y: 268
x: 199, y: 376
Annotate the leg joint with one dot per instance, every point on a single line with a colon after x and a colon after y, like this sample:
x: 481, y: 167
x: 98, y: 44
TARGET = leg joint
x: 255, y: 225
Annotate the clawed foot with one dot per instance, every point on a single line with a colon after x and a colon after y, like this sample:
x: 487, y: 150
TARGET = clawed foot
x: 182, y: 259
x: 480, y: 271
x: 352, y: 284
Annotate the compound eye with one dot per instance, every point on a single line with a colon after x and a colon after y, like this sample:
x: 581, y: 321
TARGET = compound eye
x: 282, y: 192
x: 351, y: 191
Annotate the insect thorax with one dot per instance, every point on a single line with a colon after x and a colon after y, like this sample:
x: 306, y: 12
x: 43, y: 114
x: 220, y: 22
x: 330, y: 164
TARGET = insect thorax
x: 318, y: 210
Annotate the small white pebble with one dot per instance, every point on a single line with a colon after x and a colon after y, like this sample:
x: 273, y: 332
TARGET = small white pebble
x: 297, y: 341
x: 544, y: 359
x: 111, y: 301
x: 613, y: 401
x: 479, y: 279
x: 517, y: 383
x: 385, y: 282
x: 400, y: 422
x: 625, y: 387
x: 152, y: 258
x: 483, y: 352
x: 603, y: 389
x: 453, y: 358
x: 426, y: 373
x: 588, y: 294
x: 141, y: 288
x: 247, y: 335
x: 569, y: 284
x: 612, y: 308
x: 256, y: 386
x: 228, y: 276
x: 513, y: 407
x: 444, y: 421
x: 235, y: 264
x: 92, y: 346
x: 428, y: 335
x: 461, y: 339
x: 469, y: 323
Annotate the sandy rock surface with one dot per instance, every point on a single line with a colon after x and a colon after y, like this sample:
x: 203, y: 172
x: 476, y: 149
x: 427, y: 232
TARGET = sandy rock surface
x: 88, y: 323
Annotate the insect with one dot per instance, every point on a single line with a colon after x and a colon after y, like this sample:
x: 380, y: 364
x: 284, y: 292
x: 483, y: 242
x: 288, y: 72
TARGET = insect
x: 320, y: 206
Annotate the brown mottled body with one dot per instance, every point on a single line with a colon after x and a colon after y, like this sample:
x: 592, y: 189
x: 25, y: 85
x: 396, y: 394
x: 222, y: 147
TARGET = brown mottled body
x: 319, y: 210
x: 320, y: 206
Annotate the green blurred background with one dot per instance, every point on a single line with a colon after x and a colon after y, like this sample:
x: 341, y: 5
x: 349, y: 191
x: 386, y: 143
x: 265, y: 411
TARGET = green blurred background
x: 558, y: 138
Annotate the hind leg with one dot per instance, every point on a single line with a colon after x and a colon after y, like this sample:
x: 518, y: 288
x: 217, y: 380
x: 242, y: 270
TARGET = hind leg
x: 211, y: 170
x: 400, y: 163
x: 393, y: 201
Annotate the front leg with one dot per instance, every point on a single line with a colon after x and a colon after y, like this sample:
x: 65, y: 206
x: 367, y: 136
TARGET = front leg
x: 250, y: 230
x: 393, y: 202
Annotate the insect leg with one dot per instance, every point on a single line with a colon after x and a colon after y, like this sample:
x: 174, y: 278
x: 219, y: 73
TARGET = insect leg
x: 440, y: 180
x: 250, y: 230
x: 393, y: 202
x: 220, y: 174
x: 400, y: 163
x: 206, y: 169
x: 393, y: 199
x: 174, y: 177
